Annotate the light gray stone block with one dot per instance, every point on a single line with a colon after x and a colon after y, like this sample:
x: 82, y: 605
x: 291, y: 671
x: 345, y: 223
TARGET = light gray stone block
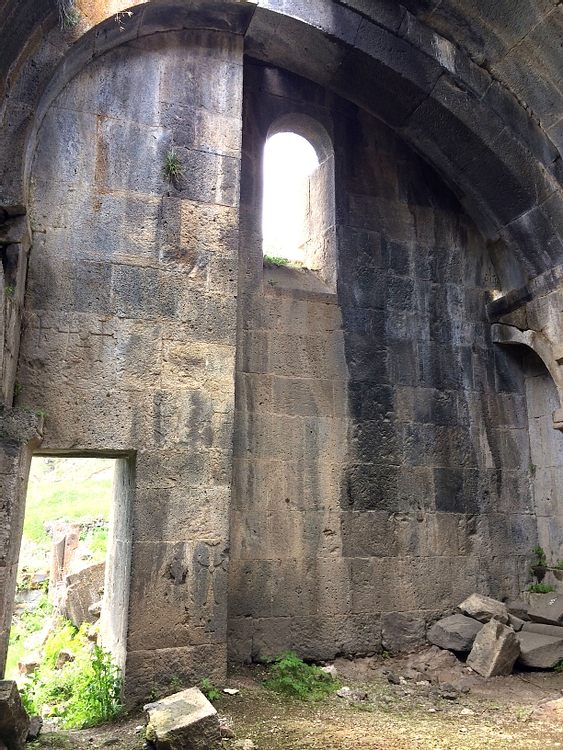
x: 555, y: 631
x: 184, y: 721
x: 546, y: 608
x: 495, y: 650
x: 483, y: 608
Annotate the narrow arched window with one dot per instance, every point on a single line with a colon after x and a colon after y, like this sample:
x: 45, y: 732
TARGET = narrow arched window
x: 298, y: 200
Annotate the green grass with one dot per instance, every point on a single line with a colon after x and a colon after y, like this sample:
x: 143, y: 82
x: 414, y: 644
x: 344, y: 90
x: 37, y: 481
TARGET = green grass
x: 65, y: 489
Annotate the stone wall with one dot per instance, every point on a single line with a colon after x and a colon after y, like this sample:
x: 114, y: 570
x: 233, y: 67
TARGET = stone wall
x: 392, y: 480
x: 131, y: 344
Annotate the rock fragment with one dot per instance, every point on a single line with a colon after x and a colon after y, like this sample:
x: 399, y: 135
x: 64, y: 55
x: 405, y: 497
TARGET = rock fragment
x: 494, y: 651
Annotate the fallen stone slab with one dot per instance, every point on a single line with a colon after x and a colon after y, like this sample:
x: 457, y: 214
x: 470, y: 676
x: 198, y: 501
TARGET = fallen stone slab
x: 494, y: 651
x: 555, y: 631
x: 546, y: 608
x: 538, y: 650
x: 183, y: 721
x: 14, y: 721
x: 483, y: 608
x: 454, y: 633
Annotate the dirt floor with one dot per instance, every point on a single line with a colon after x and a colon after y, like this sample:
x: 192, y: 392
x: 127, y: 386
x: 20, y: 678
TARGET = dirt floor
x: 392, y: 706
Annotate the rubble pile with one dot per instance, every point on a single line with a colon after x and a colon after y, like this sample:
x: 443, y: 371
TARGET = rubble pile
x: 497, y: 635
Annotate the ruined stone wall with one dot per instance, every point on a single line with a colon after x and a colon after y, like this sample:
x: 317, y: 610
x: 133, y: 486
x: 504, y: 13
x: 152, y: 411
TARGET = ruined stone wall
x: 132, y: 313
x: 383, y: 488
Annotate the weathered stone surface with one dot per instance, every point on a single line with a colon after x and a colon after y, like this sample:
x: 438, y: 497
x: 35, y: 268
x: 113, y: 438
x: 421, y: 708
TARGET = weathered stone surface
x: 518, y: 608
x: 494, y: 651
x: 184, y: 721
x: 455, y: 633
x: 555, y: 631
x: 539, y: 651
x: 515, y: 623
x: 14, y: 721
x: 546, y: 608
x: 483, y: 608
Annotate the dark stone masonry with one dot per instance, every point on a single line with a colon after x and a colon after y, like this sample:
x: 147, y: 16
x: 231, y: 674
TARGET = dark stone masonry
x: 329, y: 458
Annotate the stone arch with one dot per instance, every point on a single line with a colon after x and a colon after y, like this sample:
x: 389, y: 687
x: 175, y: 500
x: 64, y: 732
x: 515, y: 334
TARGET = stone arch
x: 416, y: 81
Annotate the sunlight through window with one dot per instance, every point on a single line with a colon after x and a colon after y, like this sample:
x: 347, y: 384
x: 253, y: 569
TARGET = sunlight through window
x: 289, y: 159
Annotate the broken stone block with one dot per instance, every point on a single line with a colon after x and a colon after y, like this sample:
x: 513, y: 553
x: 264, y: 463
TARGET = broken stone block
x: 483, y: 608
x: 546, y: 608
x: 183, y: 721
x: 14, y: 721
x: 82, y: 590
x: 495, y: 650
x: 538, y: 650
x: 515, y: 622
x: 455, y: 633
x: 518, y: 608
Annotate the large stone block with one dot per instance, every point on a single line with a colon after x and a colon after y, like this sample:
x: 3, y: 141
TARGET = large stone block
x: 184, y: 721
x: 494, y: 651
x: 455, y: 633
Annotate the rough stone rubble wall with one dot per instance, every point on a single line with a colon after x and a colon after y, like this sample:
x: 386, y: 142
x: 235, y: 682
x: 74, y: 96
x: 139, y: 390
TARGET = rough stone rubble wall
x: 132, y: 296
x: 433, y: 489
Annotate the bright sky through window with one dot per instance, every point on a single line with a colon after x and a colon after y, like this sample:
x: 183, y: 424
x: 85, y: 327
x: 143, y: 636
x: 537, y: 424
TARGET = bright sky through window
x: 288, y: 159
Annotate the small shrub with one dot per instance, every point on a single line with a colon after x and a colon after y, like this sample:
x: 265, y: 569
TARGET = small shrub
x: 558, y: 565
x: 540, y: 588
x: 173, y: 168
x: 85, y: 692
x: 281, y: 261
x: 210, y: 692
x: 291, y: 676
x: 541, y: 558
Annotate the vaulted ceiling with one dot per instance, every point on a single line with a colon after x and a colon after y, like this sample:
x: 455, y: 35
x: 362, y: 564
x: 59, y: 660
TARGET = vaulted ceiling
x: 475, y: 86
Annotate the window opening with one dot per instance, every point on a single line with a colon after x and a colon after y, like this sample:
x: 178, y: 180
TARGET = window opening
x: 60, y: 586
x: 289, y: 160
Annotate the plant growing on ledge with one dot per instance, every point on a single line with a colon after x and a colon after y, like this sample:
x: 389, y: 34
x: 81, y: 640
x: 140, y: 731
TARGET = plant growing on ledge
x: 173, y: 168
x: 540, y: 588
x: 539, y: 565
